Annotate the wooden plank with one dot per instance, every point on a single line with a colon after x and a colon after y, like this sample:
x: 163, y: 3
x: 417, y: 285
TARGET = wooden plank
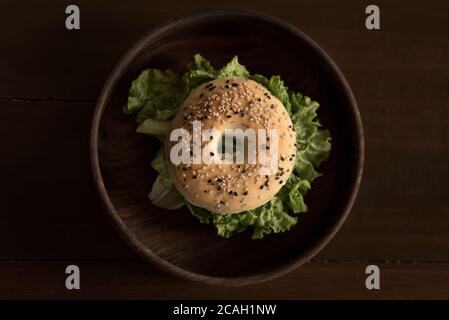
x: 138, y: 280
x: 43, y: 59
x: 51, y: 199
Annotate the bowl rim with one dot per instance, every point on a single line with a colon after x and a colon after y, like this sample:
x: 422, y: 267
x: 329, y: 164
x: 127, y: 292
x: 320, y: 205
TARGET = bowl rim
x: 108, y: 206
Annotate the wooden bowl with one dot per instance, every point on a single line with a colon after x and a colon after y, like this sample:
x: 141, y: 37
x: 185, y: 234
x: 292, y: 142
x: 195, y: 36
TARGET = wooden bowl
x: 174, y: 240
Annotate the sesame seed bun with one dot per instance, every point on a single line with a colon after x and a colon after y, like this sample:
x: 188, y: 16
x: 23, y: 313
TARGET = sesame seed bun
x: 224, y: 103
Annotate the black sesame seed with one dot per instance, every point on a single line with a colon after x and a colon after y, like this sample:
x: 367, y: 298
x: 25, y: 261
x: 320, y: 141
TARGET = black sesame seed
x: 209, y: 181
x: 212, y: 154
x: 222, y: 202
x: 201, y: 95
x: 226, y: 86
x: 277, y: 178
x: 245, y: 193
x: 234, y: 84
x: 282, y: 158
x: 280, y: 182
x: 184, y: 169
x: 261, y: 187
x: 227, y: 81
x: 194, y: 177
x: 228, y: 116
x: 205, y: 191
x: 235, y: 194
x: 266, y: 176
x: 236, y: 112
x: 230, y: 192
x: 219, y: 189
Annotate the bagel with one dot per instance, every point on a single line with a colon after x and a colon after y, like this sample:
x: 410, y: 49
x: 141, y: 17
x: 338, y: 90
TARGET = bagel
x: 229, y: 187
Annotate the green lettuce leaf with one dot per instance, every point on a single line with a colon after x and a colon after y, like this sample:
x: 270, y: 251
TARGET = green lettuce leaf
x: 159, y: 165
x: 233, y: 69
x: 314, y: 144
x: 266, y: 219
x: 153, y: 127
x: 155, y: 94
x: 165, y: 197
x: 163, y: 193
x: 199, y: 71
x: 292, y: 193
x: 276, y: 87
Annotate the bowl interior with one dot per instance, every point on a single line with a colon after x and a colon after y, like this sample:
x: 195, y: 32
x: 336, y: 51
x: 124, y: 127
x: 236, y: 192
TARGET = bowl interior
x: 176, y: 236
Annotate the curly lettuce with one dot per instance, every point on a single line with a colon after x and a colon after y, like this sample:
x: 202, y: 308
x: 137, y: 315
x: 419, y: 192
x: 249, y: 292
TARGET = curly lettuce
x: 156, y: 95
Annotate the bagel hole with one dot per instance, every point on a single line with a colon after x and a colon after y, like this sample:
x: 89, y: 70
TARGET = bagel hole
x: 231, y: 151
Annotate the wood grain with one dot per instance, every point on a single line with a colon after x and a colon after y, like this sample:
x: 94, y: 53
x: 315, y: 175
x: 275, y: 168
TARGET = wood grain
x: 399, y: 76
x: 317, y: 280
x: 49, y: 195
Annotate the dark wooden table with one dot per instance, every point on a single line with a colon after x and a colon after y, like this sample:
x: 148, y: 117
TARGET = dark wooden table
x: 50, y: 78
